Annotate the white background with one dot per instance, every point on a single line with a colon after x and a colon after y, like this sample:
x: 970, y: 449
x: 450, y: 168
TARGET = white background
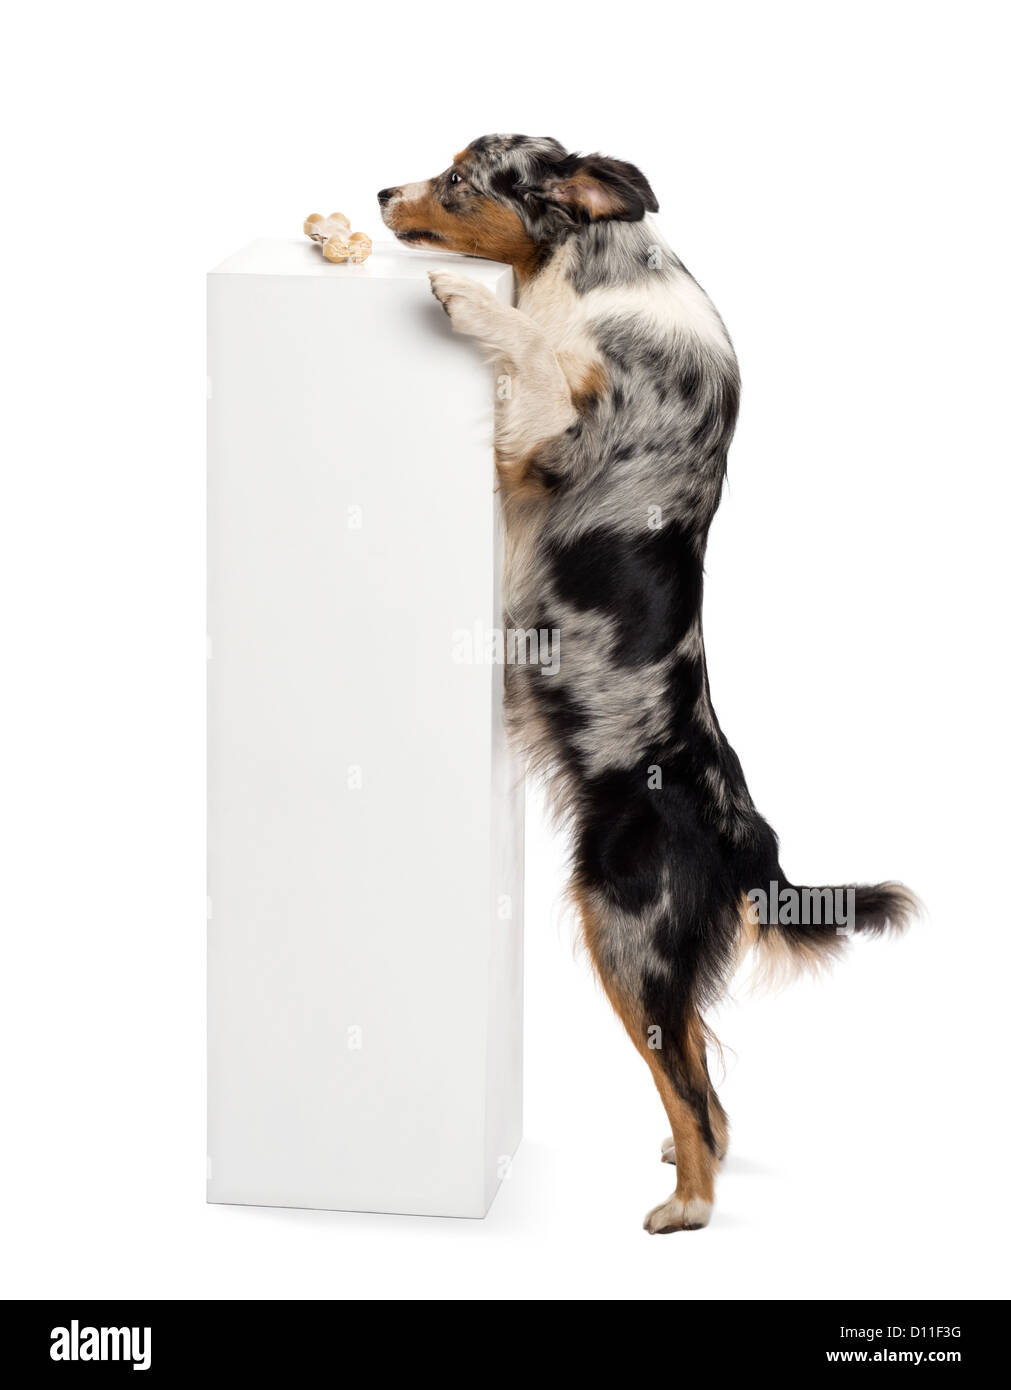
x: 834, y: 176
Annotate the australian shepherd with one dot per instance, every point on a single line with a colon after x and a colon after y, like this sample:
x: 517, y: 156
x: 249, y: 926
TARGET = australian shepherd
x: 611, y: 449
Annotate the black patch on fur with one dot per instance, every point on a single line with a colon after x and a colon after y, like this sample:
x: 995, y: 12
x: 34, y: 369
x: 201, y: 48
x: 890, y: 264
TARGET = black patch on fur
x: 652, y: 584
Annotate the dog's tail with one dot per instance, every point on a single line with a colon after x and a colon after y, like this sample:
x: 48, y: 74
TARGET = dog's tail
x: 793, y: 927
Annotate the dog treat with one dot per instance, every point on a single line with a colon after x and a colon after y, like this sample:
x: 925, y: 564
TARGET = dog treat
x: 359, y: 247
x: 320, y: 228
x: 334, y: 235
x: 336, y: 248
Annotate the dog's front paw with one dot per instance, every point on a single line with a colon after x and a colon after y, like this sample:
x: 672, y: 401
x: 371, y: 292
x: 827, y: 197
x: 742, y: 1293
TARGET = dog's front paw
x: 678, y: 1215
x: 667, y: 1150
x: 471, y: 307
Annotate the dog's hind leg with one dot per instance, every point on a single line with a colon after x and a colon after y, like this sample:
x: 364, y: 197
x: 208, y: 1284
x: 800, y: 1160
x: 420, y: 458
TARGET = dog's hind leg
x: 678, y: 1068
x: 673, y: 1047
x: 718, y: 1123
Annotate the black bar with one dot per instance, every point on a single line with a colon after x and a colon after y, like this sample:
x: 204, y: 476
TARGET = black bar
x: 427, y: 1339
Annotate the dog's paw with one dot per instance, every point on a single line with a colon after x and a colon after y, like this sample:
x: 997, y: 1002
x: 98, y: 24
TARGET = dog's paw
x: 678, y: 1215
x: 471, y: 307
x: 667, y: 1150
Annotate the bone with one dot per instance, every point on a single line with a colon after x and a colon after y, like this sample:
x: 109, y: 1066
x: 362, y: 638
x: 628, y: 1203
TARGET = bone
x: 334, y: 235
x: 322, y: 228
x: 359, y: 247
x: 336, y: 248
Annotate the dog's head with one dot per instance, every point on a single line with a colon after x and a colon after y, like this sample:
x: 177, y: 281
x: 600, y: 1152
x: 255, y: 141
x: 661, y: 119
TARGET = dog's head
x: 513, y: 198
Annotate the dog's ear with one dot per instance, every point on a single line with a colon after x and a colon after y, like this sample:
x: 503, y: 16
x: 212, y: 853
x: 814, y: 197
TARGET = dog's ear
x: 602, y: 188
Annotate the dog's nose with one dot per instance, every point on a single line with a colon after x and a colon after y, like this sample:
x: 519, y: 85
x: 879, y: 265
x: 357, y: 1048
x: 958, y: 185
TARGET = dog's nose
x: 385, y: 194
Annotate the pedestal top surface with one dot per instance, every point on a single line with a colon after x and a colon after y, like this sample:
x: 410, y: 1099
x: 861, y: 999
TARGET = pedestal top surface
x: 389, y: 261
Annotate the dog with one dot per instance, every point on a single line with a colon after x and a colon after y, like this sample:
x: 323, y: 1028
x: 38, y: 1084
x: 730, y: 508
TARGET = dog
x: 611, y: 451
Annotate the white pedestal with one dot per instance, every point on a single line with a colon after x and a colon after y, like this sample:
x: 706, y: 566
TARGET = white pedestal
x: 365, y: 825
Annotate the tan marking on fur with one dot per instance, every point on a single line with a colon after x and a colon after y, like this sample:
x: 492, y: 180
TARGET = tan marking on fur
x: 424, y: 214
x: 696, y: 1165
x: 498, y: 234
x: 487, y: 228
x: 518, y: 480
x: 589, y: 386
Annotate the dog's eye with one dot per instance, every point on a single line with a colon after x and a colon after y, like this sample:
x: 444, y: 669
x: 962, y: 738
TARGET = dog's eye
x: 455, y: 177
